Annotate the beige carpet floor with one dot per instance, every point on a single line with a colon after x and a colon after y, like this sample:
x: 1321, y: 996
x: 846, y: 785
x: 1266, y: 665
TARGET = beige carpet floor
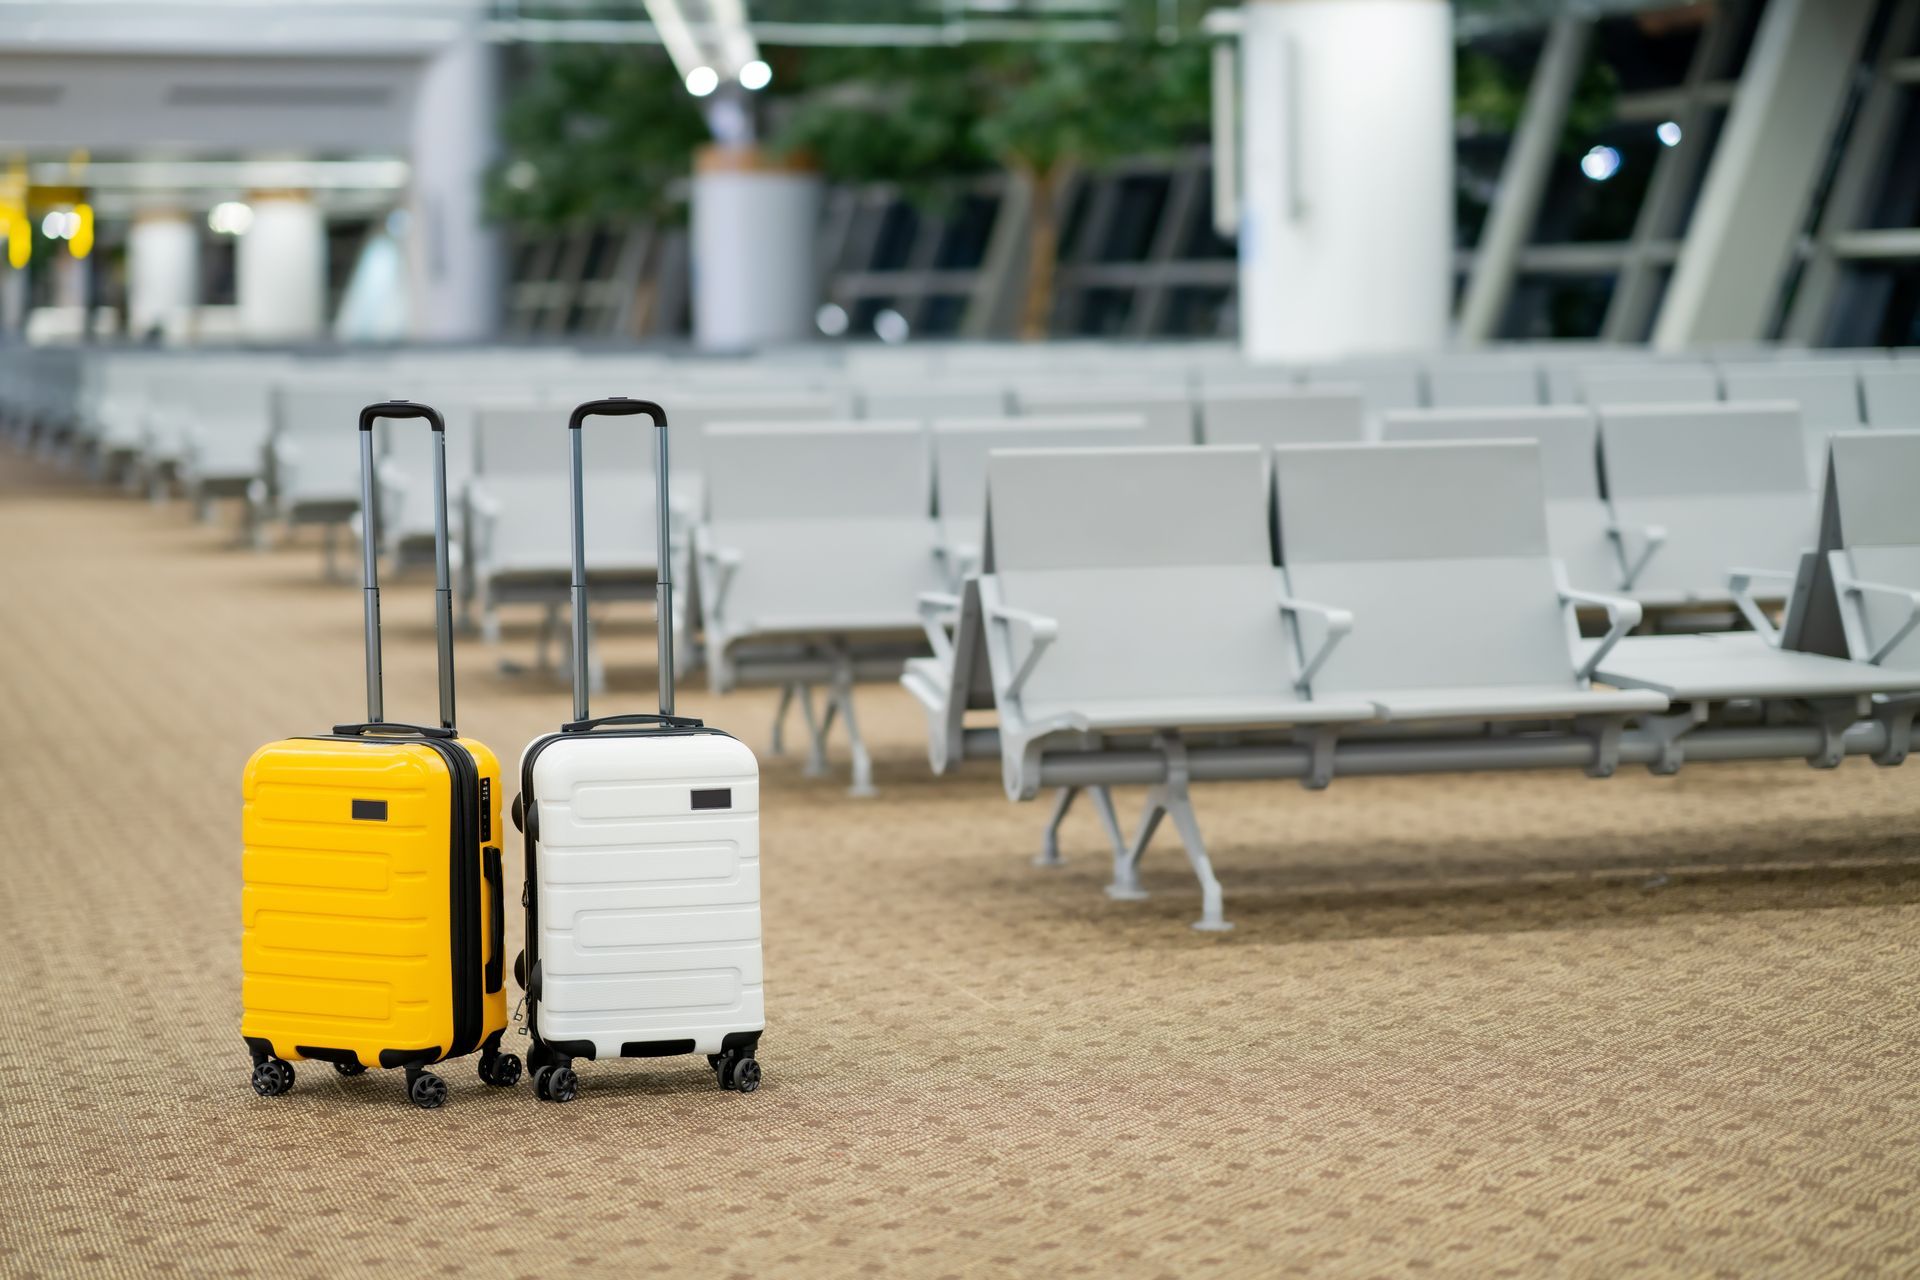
x: 1472, y: 1026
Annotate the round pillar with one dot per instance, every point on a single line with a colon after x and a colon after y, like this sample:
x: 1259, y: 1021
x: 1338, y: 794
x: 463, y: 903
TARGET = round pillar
x: 1346, y: 239
x: 754, y: 222
x: 454, y: 266
x: 280, y: 269
x: 163, y: 273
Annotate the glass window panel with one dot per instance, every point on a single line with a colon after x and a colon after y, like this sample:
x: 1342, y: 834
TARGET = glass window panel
x: 1650, y: 50
x: 942, y: 314
x: 893, y: 247
x: 1195, y: 310
x: 1582, y: 208
x: 1896, y: 202
x: 1558, y: 306
x: 969, y: 226
x: 1105, y: 311
x: 1704, y: 137
x: 1203, y: 242
x: 1136, y: 216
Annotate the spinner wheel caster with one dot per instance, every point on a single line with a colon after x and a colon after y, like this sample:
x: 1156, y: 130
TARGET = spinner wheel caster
x: 272, y: 1077
x: 427, y: 1091
x: 350, y: 1069
x: 556, y: 1084
x: 501, y: 1070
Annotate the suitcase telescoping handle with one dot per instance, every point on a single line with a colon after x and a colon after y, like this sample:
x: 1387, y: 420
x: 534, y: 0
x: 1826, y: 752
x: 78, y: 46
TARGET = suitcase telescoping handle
x: 621, y: 407
x: 442, y: 571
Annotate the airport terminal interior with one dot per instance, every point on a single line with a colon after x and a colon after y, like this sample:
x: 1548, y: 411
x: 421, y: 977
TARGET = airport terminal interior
x: 960, y: 637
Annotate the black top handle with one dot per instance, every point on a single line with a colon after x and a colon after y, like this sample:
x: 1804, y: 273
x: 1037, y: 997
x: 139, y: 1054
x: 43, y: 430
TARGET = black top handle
x: 621, y: 407
x: 370, y: 548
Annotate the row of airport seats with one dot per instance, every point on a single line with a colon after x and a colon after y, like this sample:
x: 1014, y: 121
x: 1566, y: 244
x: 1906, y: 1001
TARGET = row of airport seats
x: 816, y: 500
x: 1167, y: 616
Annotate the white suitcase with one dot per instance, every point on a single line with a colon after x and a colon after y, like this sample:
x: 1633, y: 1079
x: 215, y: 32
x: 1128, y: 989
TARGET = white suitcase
x: 642, y: 837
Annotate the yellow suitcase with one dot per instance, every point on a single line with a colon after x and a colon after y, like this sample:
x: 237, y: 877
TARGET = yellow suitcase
x: 373, y: 906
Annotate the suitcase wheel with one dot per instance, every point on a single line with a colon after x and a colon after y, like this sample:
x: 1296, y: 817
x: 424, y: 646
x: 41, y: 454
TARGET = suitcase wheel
x: 427, y: 1091
x: 501, y: 1070
x: 353, y: 1068
x: 555, y: 1084
x: 272, y: 1077
x: 735, y: 1072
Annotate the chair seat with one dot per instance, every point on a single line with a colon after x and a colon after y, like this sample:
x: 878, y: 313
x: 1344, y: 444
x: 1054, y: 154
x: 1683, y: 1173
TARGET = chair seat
x: 1514, y: 702
x: 1216, y: 711
x: 1742, y: 665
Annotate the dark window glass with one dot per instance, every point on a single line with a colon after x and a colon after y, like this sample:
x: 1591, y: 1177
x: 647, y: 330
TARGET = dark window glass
x: 217, y: 276
x: 600, y: 251
x: 1136, y: 217
x: 1878, y: 304
x: 1556, y: 306
x: 1744, y: 15
x: 1196, y: 310
x: 942, y: 313
x: 863, y: 313
x: 893, y: 247
x: 1650, y: 50
x: 1105, y: 311
x: 1476, y: 177
x: 1580, y: 208
x: 1897, y: 201
x: 963, y: 244
x: 1074, y: 220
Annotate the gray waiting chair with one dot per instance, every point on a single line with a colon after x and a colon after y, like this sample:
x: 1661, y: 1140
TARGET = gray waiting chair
x: 1872, y: 544
x: 1439, y: 553
x: 1699, y: 491
x: 1577, y: 517
x: 817, y: 543
x: 1306, y: 415
x: 960, y: 449
x: 1132, y: 594
x: 1482, y: 384
x: 1607, y: 385
x: 1890, y: 395
x: 1166, y: 408
x: 1827, y: 393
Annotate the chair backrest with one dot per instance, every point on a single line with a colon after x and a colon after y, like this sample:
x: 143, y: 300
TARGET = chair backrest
x: 961, y: 446
x: 1385, y: 385
x: 1482, y: 384
x: 1876, y: 523
x: 1891, y: 395
x: 924, y: 403
x: 1828, y: 394
x: 1649, y: 384
x: 531, y: 440
x: 690, y: 414
x: 1157, y: 565
x: 1728, y: 483
x: 1309, y: 415
x: 1166, y: 408
x: 1440, y: 551
x: 1568, y: 437
x: 832, y: 524
x: 824, y: 471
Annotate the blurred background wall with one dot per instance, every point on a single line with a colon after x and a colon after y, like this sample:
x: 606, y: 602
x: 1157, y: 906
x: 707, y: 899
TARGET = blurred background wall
x: 1316, y: 177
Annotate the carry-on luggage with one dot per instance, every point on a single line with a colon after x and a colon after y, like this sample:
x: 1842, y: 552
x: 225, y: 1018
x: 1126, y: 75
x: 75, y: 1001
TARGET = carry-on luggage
x: 373, y: 909
x: 643, y: 865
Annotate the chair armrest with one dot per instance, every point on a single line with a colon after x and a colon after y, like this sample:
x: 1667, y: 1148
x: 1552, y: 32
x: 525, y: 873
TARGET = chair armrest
x: 1655, y: 536
x: 1623, y: 615
x: 937, y: 609
x: 1339, y: 623
x: 1862, y: 587
x: 1041, y: 633
x: 958, y: 560
x: 1740, y: 583
x: 722, y: 563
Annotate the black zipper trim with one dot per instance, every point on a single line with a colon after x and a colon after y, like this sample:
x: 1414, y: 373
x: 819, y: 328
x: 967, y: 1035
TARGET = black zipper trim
x: 530, y: 824
x: 463, y: 882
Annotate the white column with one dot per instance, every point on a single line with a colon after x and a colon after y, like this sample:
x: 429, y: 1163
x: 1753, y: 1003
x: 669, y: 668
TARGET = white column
x: 1346, y: 238
x: 453, y: 256
x: 754, y: 223
x: 163, y: 272
x: 280, y: 268
x: 1753, y: 203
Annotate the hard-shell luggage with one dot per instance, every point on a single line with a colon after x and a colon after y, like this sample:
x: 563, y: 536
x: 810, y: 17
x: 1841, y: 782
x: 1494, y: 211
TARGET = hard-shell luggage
x: 373, y: 908
x: 643, y: 865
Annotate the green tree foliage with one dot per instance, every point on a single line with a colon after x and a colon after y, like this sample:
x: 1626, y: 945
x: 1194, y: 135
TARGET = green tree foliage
x: 593, y: 132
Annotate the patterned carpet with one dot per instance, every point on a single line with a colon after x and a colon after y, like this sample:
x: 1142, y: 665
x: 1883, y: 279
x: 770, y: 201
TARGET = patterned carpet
x: 1473, y: 1026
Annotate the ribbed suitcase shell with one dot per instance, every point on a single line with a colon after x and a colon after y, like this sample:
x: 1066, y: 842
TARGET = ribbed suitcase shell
x: 644, y: 911
x: 349, y: 938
